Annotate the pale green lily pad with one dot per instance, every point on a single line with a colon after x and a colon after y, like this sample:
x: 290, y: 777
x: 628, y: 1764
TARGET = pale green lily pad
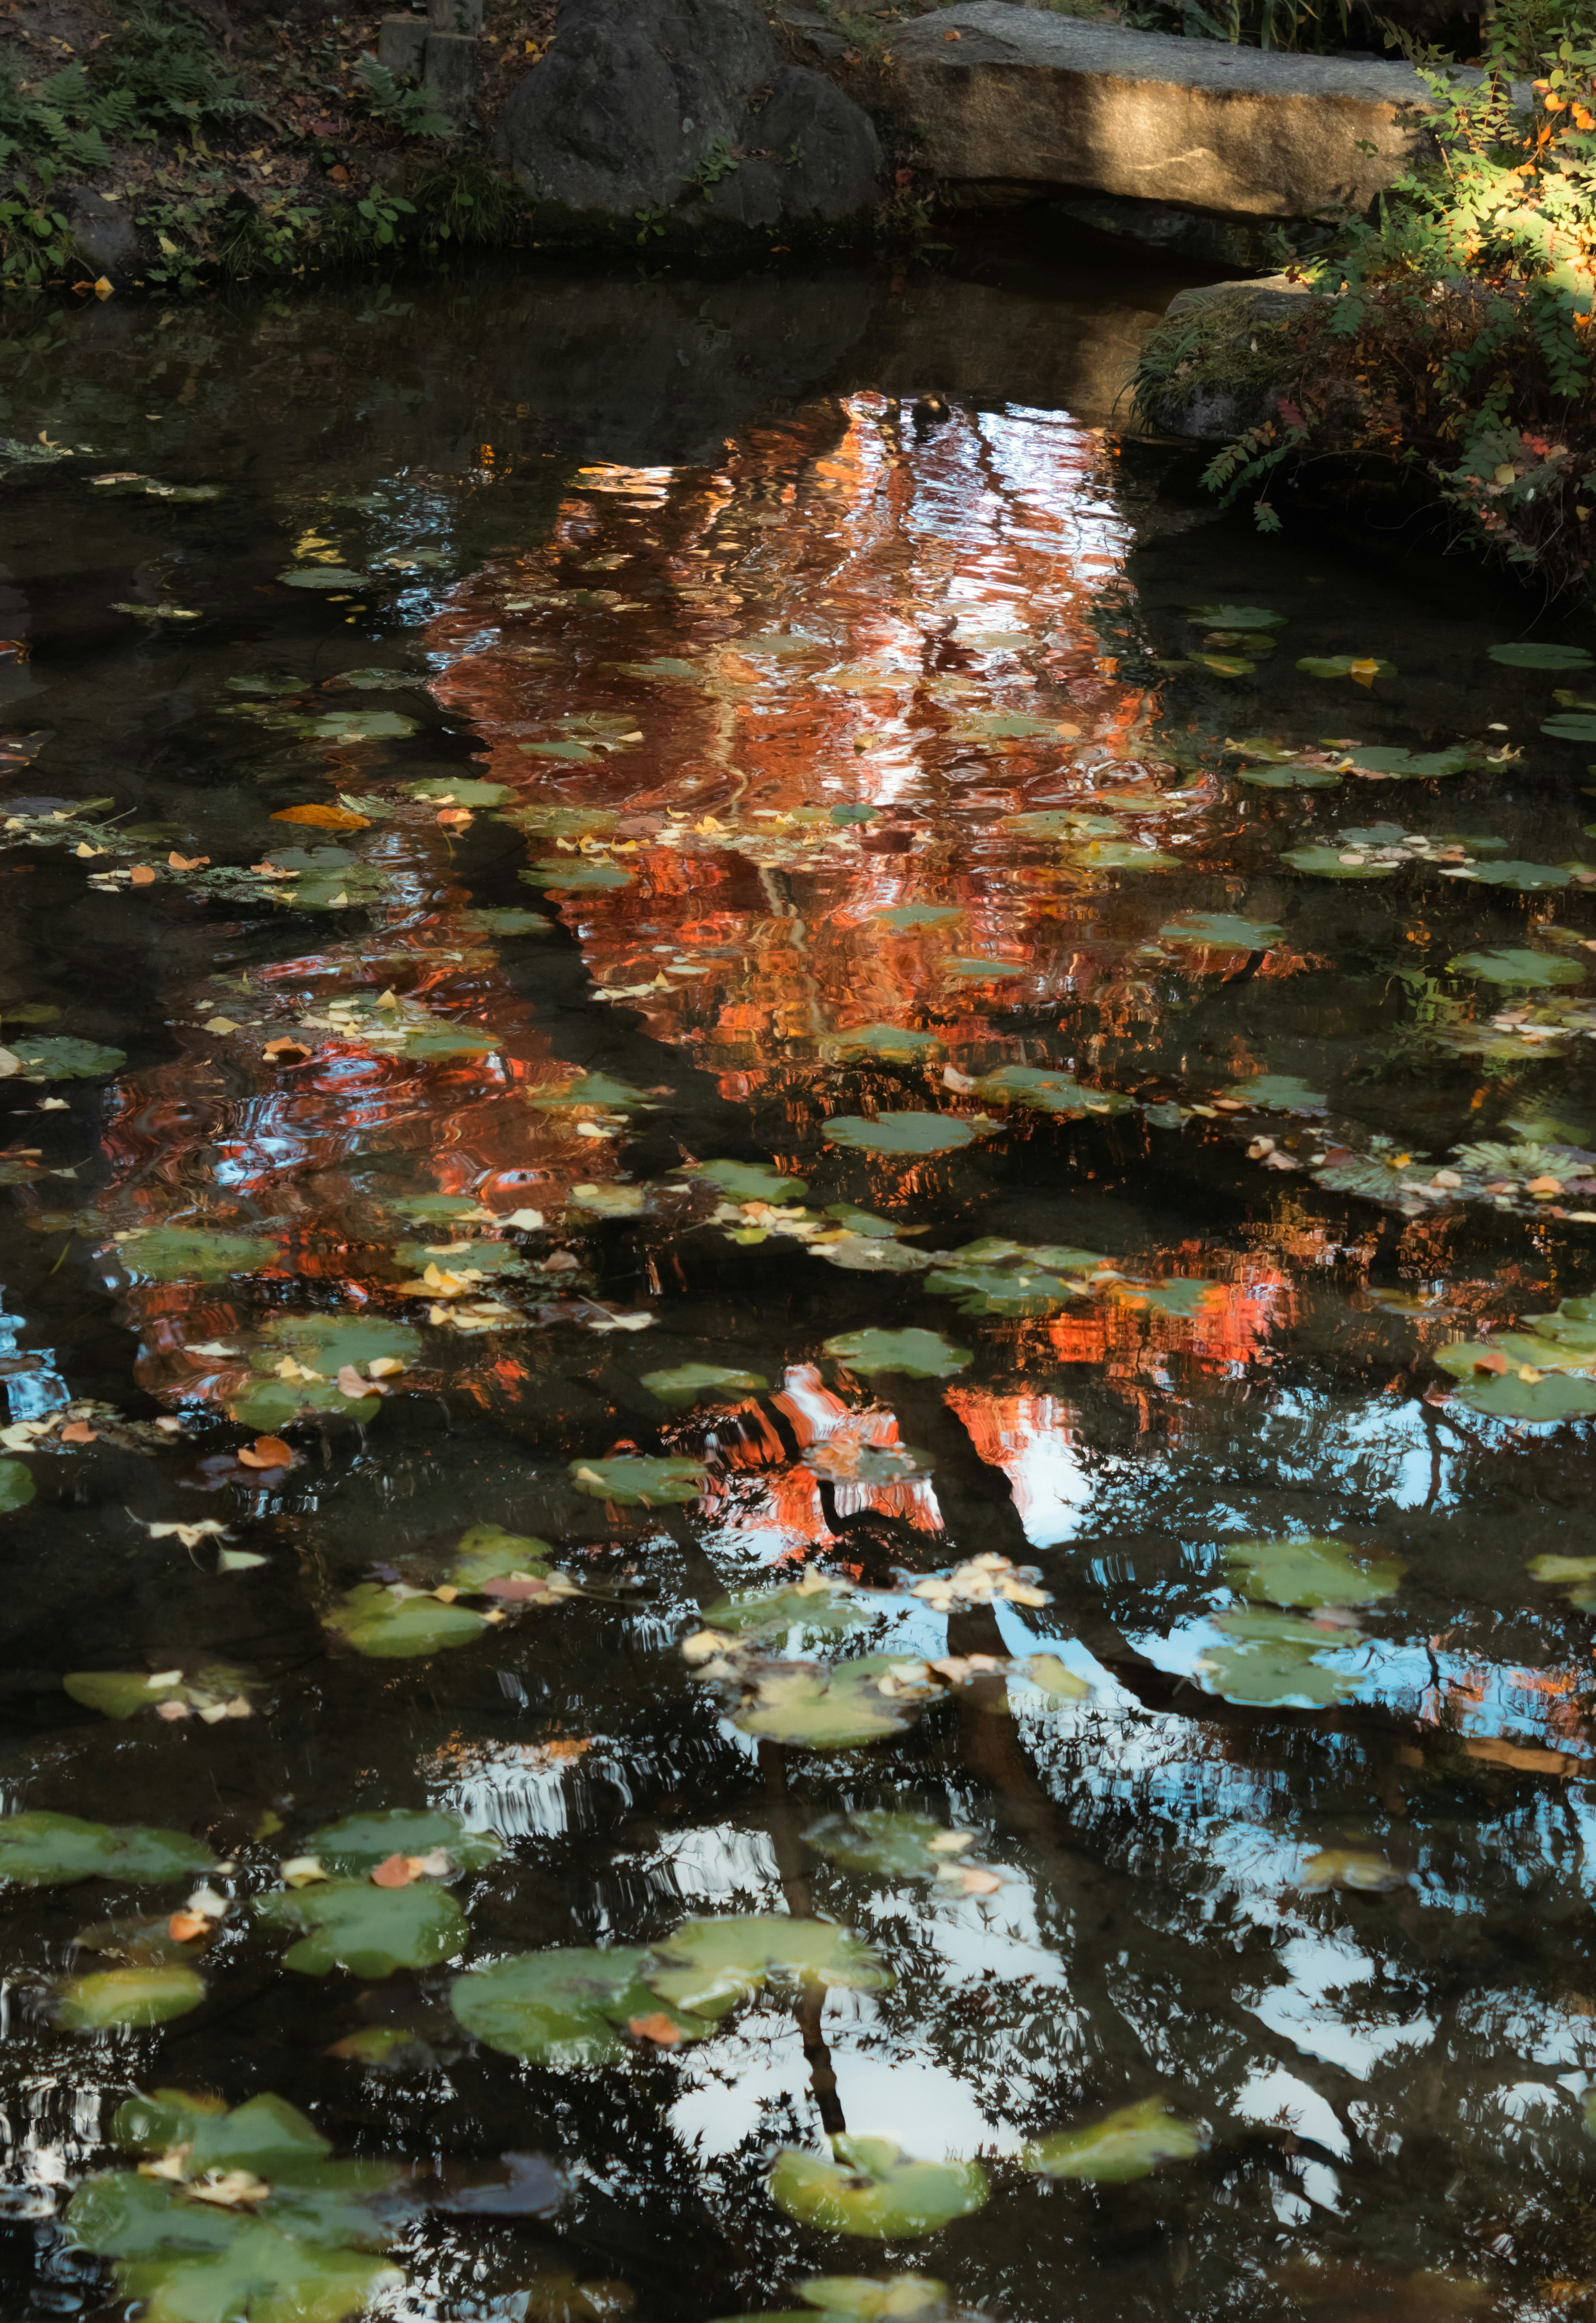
x: 1529, y: 656
x: 266, y: 2135
x: 1283, y: 777
x: 1277, y: 1093
x: 1574, y: 1574
x: 457, y: 791
x: 578, y: 872
x: 764, y: 1613
x: 975, y: 967
x: 686, y: 1382
x: 826, y: 1706
x: 900, y: 1132
x: 359, y: 1843
x: 378, y: 680
x: 586, y: 1091
x: 192, y: 1255
x: 1120, y: 855
x: 322, y: 1345
x: 1326, y: 863
x: 1311, y: 1573
x: 39, y: 1850
x: 359, y: 726
x: 220, y: 2266
x: 749, y: 1182
x: 567, y: 2008
x: 1236, y: 617
x: 872, y: 2299
x: 873, y: 2187
x: 1184, y: 1295
x: 1508, y: 965
x: 633, y: 1481
x: 1017, y: 1289
x: 125, y: 1693
x: 391, y: 1625
x: 1570, y: 726
x: 885, y: 1842
x: 1508, y: 1397
x: 905, y: 918
x: 1056, y: 1093
x: 323, y: 576
x: 461, y: 1257
x: 1410, y: 765
x: 486, y: 1552
x: 66, y: 1059
x: 264, y: 685
x: 1268, y: 1658
x: 1528, y: 878
x: 1344, y: 665
x: 869, y: 1252
x: 918, y: 1354
x: 1220, y: 931
x: 708, y: 1966
x: 1131, y: 2143
x: 508, y: 921
x: 880, y: 1041
x: 16, y: 1486
x: 126, y: 1999
x: 367, y: 1931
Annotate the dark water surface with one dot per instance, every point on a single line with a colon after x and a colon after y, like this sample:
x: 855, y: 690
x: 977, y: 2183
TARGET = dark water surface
x: 720, y: 763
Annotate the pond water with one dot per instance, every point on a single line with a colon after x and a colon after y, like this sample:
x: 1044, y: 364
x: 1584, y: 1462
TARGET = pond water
x: 674, y: 960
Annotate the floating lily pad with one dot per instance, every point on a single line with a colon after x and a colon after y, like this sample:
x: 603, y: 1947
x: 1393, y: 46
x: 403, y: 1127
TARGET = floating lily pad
x: 1570, y: 726
x: 1528, y: 655
x: 1525, y: 877
x: 880, y: 1041
x: 1276, y: 1093
x: 686, y: 1382
x: 1056, y: 1093
x: 39, y: 1849
x: 749, y: 1182
x: 632, y: 1481
x: 318, y: 1346
x: 359, y: 1843
x: 486, y: 1552
x: 565, y: 2007
x: 191, y: 2261
x: 577, y: 872
x: 508, y: 921
x: 1220, y: 931
x: 1362, y: 667
x: 125, y: 1693
x: 873, y: 2187
x: 823, y: 1706
x: 1409, y: 765
x: 763, y: 1613
x: 323, y: 576
x: 1574, y: 1574
x: 1326, y: 863
x: 16, y: 1486
x: 262, y: 685
x: 390, y: 1624
x: 377, y: 680
x: 457, y: 791
x: 190, y: 1254
x: 900, y: 1132
x: 270, y: 2136
x: 1283, y: 777
x: 1506, y: 1396
x: 359, y: 726
x: 368, y: 1930
x: 586, y: 1092
x: 906, y: 917
x: 1310, y: 1573
x: 1017, y: 1289
x: 870, y: 2299
x: 66, y: 1059
x: 1236, y: 617
x: 1120, y: 855
x: 1184, y: 1295
x: 1357, y: 1868
x: 1507, y: 965
x: 708, y: 1966
x: 1132, y: 2142
x: 918, y: 1354
x: 885, y: 1842
x: 128, y: 1998
x: 1269, y: 1658
x: 973, y: 966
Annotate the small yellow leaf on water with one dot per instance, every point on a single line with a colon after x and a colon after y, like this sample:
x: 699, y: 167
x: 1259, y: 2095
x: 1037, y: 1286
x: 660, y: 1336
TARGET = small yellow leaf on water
x: 222, y: 1024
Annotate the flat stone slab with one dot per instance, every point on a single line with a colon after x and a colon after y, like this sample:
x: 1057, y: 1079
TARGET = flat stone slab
x: 1024, y: 97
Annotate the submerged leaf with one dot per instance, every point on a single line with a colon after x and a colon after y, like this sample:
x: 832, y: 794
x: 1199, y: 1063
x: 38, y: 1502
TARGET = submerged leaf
x: 1129, y: 2144
x: 873, y: 2187
x: 16, y: 1486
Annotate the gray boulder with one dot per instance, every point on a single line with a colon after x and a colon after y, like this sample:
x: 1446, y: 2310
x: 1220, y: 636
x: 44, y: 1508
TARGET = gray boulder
x: 686, y: 112
x: 104, y: 232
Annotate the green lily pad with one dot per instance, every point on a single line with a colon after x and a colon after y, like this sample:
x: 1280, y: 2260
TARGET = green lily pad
x: 1283, y: 777
x: 320, y: 1345
x: 1410, y: 765
x: 263, y: 684
x: 632, y: 1481
x: 1310, y: 1573
x: 586, y: 1091
x: 127, y: 1998
x: 1574, y: 1574
x: 1002, y: 726
x: 708, y: 1966
x: 220, y: 2266
x: 1131, y: 2143
x: 1062, y: 822
x: 266, y: 2136
x: 884, y: 1841
x: 1236, y: 617
x: 907, y: 917
x: 1525, y: 877
x: 871, y: 2298
x: 359, y: 726
x: 856, y: 813
x: 1019, y: 1290
x: 461, y: 1257
x: 1184, y: 1295
x: 1518, y: 655
x: 1569, y: 726
x: 1120, y: 855
x: 1270, y: 1659
x: 564, y: 2007
x: 1506, y: 1396
x: 974, y: 966
x: 39, y: 1849
x: 749, y: 1182
x: 323, y: 576
x: 124, y: 1693
x: 1221, y: 665
x: 191, y: 1254
x: 508, y: 921
x: 880, y: 1041
x: 1220, y: 931
x: 873, y: 2187
x: 1344, y: 665
x: 66, y: 1059
x: 359, y: 1843
x: 918, y: 1354
x: 1056, y: 1093
x: 1276, y: 1093
x: 763, y: 1613
x: 390, y: 1626
x: 1507, y: 965
x: 378, y: 680
x: 1326, y: 863
x: 16, y: 1486
x: 826, y: 1706
x: 900, y: 1132
x: 486, y: 1552
x: 577, y: 872
x: 368, y: 1930
x: 686, y: 1382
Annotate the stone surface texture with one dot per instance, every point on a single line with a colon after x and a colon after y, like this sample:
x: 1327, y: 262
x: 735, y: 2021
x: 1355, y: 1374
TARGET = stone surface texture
x: 401, y: 40
x: 686, y: 111
x: 451, y: 67
x: 104, y: 234
x: 1031, y: 99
